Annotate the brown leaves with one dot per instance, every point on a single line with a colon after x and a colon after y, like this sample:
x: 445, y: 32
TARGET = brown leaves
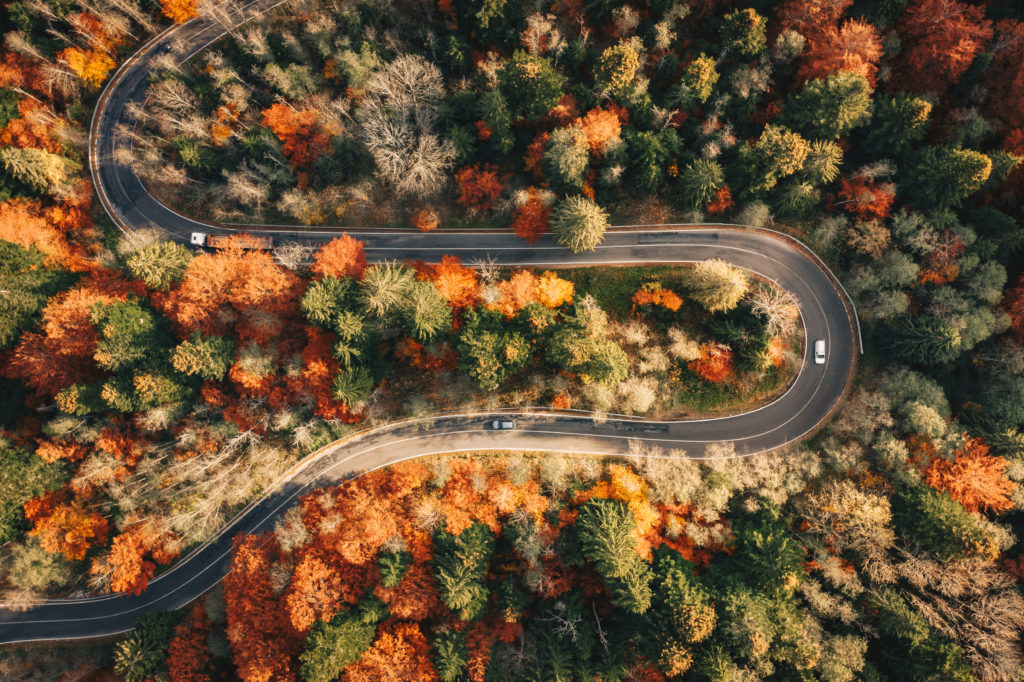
x: 974, y: 478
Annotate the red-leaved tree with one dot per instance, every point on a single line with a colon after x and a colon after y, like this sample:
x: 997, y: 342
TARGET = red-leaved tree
x: 940, y: 40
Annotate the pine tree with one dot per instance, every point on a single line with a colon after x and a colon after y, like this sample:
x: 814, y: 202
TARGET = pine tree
x: 897, y: 124
x: 829, y: 107
x: 716, y: 285
x: 352, y: 386
x: 942, y: 177
x: 579, y: 223
x: 160, y: 265
x: 331, y: 646
x: 699, y: 181
x: 744, y: 33
x: 606, y: 534
x: 208, y: 357
x: 565, y: 158
x: 450, y: 655
x: 530, y: 85
x: 425, y: 313
x: 460, y: 564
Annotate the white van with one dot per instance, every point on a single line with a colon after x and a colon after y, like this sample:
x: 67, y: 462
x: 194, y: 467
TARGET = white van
x: 819, y: 352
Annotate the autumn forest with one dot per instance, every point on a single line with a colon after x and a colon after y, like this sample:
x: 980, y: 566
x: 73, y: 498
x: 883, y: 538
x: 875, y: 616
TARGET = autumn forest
x: 152, y: 390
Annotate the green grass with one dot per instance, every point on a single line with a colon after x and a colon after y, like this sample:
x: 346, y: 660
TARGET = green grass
x: 613, y: 288
x: 698, y: 396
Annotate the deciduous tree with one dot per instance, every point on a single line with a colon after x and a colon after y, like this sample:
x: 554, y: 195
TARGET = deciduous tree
x: 940, y: 40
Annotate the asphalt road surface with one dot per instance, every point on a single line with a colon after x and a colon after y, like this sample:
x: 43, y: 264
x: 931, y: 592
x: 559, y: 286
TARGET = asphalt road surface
x: 810, y: 398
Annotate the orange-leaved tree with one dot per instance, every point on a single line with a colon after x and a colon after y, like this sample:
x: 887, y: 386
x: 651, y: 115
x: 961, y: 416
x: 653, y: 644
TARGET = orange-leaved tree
x: 553, y: 291
x: 974, y: 478
x: 399, y: 653
x: 479, y: 186
x: 532, y: 218
x: 714, y: 363
x: 235, y: 281
x: 262, y: 639
x: 341, y: 257
x: 602, y: 127
x: 457, y: 284
x: 65, y: 527
x: 940, y: 40
x: 179, y: 11
x: 856, y: 47
x: 654, y: 294
x: 188, y: 655
x: 91, y: 65
x: 866, y: 198
x: 303, y: 136
x: 517, y: 292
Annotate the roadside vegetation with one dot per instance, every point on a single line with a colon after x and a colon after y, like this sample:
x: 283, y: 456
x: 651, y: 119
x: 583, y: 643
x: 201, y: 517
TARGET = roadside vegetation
x: 178, y: 395
x: 147, y: 391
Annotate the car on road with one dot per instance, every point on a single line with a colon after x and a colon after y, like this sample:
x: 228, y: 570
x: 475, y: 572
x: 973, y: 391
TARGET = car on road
x: 819, y: 352
x: 502, y: 425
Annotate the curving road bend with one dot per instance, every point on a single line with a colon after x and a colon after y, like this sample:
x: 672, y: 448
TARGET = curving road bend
x: 816, y: 390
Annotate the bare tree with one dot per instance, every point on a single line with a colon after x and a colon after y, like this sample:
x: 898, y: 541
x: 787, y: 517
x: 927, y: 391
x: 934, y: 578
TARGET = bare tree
x: 777, y: 307
x: 397, y: 127
x: 246, y: 187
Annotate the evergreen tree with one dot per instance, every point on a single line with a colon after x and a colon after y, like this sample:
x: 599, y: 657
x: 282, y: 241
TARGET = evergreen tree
x: 565, y: 158
x: 941, y: 524
x: 617, y: 67
x: 649, y: 152
x: 897, y: 124
x: 942, y: 177
x: 160, y: 265
x: 326, y: 298
x: 331, y: 646
x: 922, y: 340
x: 450, y: 655
x: 460, y: 565
x: 489, y: 352
x: 744, y: 33
x: 580, y: 345
x: 26, y: 285
x: 393, y: 566
x: 40, y: 171
x: 23, y: 476
x: 914, y: 651
x: 697, y: 82
x: 699, y: 181
x: 494, y: 111
x: 823, y: 160
x: 352, y: 387
x: 829, y: 107
x: 606, y: 534
x: 777, y: 154
x: 530, y: 85
x: 579, y: 223
x: 716, y: 285
x: 208, y: 357
x: 384, y: 289
x: 425, y: 313
x: 140, y: 654
x: 129, y: 335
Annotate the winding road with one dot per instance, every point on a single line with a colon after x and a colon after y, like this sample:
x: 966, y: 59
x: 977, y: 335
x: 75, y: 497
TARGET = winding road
x: 808, y: 401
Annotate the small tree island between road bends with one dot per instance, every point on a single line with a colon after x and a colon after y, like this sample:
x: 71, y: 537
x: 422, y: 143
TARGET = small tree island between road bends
x: 813, y: 564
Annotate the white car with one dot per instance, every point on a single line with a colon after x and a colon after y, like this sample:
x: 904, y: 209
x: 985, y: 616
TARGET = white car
x: 819, y: 352
x: 499, y: 425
